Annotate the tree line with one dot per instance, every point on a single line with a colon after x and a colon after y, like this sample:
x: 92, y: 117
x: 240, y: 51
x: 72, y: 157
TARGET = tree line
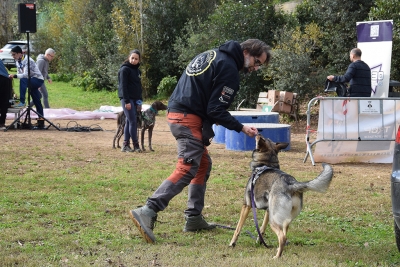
x: 93, y: 37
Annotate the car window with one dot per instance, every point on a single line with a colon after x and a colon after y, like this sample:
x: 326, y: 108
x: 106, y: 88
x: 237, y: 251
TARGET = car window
x: 9, y: 46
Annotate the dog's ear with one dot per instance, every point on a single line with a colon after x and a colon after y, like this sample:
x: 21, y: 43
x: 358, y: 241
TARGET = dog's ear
x: 280, y: 146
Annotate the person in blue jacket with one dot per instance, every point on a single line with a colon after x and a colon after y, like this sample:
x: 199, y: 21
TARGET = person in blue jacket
x: 130, y: 95
x: 201, y: 98
x: 358, y: 74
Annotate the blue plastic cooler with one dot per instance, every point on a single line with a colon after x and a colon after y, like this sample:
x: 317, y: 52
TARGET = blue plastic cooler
x: 275, y: 131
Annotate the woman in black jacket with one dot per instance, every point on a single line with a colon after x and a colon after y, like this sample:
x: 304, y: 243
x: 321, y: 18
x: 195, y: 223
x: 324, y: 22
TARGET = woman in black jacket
x: 130, y: 95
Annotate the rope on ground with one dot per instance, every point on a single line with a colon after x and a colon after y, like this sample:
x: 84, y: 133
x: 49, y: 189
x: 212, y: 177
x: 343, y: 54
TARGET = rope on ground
x: 79, y: 128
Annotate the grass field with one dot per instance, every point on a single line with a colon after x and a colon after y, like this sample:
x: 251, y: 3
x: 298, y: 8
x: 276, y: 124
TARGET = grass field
x: 63, y: 95
x: 64, y: 198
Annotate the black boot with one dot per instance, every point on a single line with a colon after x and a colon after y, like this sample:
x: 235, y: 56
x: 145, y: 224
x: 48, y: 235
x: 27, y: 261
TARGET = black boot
x: 39, y: 125
x: 126, y: 147
x: 136, y: 148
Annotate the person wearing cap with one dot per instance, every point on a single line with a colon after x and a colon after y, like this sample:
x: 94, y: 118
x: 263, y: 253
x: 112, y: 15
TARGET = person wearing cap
x: 36, y: 80
x: 5, y: 86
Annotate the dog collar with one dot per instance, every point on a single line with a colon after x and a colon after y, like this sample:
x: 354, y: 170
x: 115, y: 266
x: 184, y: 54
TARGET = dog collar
x: 153, y: 110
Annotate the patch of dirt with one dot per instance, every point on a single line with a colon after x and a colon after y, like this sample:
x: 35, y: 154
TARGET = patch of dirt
x: 103, y: 130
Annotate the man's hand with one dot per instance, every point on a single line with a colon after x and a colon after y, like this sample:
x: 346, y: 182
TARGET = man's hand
x: 249, y: 131
x: 330, y: 77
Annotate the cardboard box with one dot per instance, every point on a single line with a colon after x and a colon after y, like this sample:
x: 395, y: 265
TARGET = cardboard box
x: 275, y: 108
x: 285, y: 108
x: 273, y: 97
x: 286, y: 97
x: 294, y: 98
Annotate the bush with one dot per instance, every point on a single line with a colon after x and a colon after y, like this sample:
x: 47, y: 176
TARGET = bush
x: 167, y: 86
x: 62, y: 77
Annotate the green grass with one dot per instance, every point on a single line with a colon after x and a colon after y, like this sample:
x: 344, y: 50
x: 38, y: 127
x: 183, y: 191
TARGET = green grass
x: 63, y: 95
x: 64, y: 199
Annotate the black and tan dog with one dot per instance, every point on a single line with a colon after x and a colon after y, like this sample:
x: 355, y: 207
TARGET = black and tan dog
x: 146, y: 121
x: 275, y: 191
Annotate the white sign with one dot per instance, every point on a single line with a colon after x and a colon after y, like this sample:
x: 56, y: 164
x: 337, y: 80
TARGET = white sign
x: 370, y: 106
x: 370, y: 125
x: 375, y: 41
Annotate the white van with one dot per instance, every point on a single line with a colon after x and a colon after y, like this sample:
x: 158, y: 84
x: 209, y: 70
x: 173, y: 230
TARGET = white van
x: 5, y: 52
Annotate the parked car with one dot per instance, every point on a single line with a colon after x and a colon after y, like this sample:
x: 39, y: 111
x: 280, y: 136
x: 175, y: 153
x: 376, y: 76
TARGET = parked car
x: 5, y: 52
x: 395, y: 188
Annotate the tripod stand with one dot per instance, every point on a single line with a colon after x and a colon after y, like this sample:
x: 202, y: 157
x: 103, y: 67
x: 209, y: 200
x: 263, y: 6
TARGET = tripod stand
x: 27, y: 112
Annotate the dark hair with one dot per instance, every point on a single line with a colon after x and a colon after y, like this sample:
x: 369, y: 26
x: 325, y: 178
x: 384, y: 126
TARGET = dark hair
x: 16, y: 49
x: 256, y: 47
x: 356, y: 52
x: 134, y: 51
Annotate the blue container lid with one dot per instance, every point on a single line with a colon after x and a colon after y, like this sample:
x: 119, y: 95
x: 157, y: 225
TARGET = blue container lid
x: 252, y: 113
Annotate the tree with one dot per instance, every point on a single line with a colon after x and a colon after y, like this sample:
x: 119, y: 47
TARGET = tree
x: 4, y: 19
x: 293, y: 68
x: 163, y: 22
x: 390, y: 10
x: 233, y: 20
x: 82, y: 34
x: 337, y: 22
x: 128, y: 25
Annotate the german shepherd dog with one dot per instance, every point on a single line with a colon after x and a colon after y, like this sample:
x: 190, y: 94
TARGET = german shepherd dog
x: 277, y: 192
x: 146, y: 121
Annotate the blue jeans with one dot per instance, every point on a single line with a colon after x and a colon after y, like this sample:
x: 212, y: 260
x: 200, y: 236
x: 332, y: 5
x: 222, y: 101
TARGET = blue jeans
x: 130, y: 130
x: 35, y: 94
x: 45, y: 96
x: 23, y: 84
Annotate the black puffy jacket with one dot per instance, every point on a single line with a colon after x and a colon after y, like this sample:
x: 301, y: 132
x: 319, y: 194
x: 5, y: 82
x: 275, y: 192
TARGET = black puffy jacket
x: 209, y: 84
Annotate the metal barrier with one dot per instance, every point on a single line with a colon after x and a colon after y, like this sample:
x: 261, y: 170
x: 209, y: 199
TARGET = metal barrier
x: 353, y: 119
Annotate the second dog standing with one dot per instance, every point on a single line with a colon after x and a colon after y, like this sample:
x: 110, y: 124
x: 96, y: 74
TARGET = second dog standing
x: 146, y: 121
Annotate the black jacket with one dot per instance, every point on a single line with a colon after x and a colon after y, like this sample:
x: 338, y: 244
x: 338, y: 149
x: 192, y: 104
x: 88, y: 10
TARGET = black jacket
x: 209, y: 84
x: 359, y: 75
x: 129, y: 84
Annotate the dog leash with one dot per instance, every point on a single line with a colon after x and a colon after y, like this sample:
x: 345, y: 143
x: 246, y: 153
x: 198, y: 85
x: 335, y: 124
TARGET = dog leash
x: 256, y: 173
x: 231, y: 228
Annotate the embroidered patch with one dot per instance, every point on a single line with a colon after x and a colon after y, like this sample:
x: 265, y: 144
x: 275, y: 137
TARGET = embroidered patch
x: 200, y: 63
x: 226, y: 94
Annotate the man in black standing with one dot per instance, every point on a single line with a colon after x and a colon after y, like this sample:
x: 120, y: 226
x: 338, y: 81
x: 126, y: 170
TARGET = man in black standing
x: 358, y: 74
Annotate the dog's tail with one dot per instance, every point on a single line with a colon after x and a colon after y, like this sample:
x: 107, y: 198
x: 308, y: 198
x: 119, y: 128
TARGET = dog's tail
x: 319, y: 184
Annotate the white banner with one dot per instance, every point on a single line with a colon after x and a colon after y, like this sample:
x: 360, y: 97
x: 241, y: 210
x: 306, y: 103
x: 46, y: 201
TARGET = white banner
x: 372, y: 122
x: 375, y: 41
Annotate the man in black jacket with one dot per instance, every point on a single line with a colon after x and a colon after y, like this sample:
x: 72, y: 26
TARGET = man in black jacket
x: 358, y: 74
x: 201, y: 98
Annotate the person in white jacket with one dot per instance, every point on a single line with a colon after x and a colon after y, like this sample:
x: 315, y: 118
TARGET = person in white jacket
x: 36, y: 79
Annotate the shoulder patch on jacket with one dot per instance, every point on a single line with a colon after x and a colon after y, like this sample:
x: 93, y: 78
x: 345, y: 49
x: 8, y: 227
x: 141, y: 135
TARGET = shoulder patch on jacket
x: 200, y: 63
